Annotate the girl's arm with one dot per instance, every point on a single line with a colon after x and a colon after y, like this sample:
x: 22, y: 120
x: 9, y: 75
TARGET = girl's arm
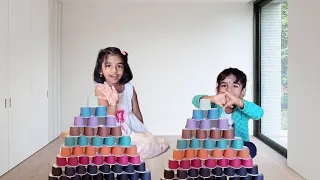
x: 111, y: 109
x: 135, y: 106
x: 252, y: 110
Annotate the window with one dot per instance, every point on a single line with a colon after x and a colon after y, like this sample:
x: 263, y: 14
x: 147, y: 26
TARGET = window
x: 271, y: 56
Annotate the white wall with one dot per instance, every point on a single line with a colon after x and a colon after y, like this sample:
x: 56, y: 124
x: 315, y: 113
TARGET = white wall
x: 176, y: 50
x: 303, y: 123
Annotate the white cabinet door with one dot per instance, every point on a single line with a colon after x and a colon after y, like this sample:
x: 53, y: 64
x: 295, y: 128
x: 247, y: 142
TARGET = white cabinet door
x: 21, y: 126
x: 4, y: 86
x: 39, y: 72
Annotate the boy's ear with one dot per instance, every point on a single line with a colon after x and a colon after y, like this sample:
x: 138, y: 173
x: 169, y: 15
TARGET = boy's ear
x: 217, y: 88
x: 243, y: 93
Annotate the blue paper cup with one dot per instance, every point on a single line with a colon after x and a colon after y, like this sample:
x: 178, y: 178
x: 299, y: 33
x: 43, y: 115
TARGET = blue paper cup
x: 145, y: 175
x: 134, y: 176
x: 83, y: 141
x: 182, y: 144
x: 208, y: 144
x: 222, y: 144
x: 194, y: 143
x: 197, y: 114
x: 96, y: 141
x: 109, y: 141
x: 69, y: 141
x: 101, y: 111
x: 125, y: 141
x: 237, y: 143
x: 213, y: 114
x: 85, y: 112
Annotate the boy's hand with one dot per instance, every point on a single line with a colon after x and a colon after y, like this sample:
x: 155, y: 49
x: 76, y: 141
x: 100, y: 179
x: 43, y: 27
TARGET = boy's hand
x: 232, y: 100
x: 219, y: 99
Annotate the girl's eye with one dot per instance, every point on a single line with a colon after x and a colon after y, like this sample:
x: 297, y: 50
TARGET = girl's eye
x: 235, y: 86
x: 107, y: 65
x: 120, y: 66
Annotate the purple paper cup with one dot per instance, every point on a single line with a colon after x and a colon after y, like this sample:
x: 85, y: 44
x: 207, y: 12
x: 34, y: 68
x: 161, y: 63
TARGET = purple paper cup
x: 78, y: 121
x: 205, y: 124
x: 191, y: 124
x: 223, y: 123
x: 111, y: 121
x: 93, y: 122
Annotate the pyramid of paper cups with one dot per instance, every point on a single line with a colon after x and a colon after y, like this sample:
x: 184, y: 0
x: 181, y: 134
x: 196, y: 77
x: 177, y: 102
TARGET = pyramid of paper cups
x: 96, y: 149
x: 208, y: 149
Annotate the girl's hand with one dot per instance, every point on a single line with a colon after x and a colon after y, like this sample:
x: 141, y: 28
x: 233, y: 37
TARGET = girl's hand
x: 232, y: 100
x: 110, y: 93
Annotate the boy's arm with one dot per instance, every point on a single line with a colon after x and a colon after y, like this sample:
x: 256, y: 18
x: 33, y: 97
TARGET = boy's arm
x: 196, y: 100
x: 254, y: 111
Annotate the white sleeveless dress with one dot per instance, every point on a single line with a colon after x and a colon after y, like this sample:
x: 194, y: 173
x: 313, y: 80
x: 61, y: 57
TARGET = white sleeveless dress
x: 148, y: 146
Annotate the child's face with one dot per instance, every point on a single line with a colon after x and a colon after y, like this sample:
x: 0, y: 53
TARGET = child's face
x: 232, y: 87
x: 112, y: 69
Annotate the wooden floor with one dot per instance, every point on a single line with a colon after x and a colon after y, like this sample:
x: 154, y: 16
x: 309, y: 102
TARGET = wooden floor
x: 38, y: 166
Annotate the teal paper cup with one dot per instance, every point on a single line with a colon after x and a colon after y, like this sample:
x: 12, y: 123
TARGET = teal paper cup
x: 182, y: 144
x: 96, y: 141
x: 222, y: 144
x: 109, y: 141
x: 213, y: 114
x: 197, y: 114
x: 194, y: 143
x: 69, y: 141
x: 124, y: 141
x: 101, y: 111
x: 208, y: 144
x: 83, y: 141
x: 85, y: 112
x: 237, y: 143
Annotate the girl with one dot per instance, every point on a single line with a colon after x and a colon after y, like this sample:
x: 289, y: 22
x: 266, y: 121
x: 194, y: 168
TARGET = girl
x: 114, y: 90
x: 231, y: 87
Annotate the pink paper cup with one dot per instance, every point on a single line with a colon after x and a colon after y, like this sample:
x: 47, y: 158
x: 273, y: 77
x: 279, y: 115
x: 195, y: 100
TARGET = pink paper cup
x: 223, y: 163
x: 248, y: 163
x: 185, y: 164
x: 110, y: 160
x: 123, y: 160
x: 84, y: 160
x: 210, y: 163
x: 97, y: 160
x: 73, y: 161
x: 196, y: 163
x: 61, y: 161
x: 173, y: 164
x: 235, y: 163
x: 135, y: 160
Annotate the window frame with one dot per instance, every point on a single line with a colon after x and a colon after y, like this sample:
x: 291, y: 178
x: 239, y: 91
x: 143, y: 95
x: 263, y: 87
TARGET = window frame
x: 257, y: 74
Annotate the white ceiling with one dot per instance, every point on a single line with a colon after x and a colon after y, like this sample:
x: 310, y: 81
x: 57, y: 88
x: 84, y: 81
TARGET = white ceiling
x: 149, y: 1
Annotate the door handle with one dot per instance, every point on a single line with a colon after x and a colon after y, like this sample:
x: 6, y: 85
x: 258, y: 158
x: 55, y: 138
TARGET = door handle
x: 10, y: 102
x: 5, y: 103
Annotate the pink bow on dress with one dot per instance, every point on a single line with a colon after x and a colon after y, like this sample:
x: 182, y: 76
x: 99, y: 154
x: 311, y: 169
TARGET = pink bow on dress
x: 120, y: 119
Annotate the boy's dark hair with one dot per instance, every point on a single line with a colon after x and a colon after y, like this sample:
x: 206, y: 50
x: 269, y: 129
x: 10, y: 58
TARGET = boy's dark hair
x: 103, y: 55
x: 240, y: 76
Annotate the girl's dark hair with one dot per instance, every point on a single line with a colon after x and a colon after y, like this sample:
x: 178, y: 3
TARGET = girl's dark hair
x: 103, y: 55
x: 240, y: 76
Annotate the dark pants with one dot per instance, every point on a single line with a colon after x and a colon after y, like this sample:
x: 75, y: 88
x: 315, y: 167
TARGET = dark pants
x: 252, y: 148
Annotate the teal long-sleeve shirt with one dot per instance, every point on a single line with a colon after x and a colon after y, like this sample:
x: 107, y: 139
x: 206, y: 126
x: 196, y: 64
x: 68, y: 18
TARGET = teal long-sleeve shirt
x: 240, y: 116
